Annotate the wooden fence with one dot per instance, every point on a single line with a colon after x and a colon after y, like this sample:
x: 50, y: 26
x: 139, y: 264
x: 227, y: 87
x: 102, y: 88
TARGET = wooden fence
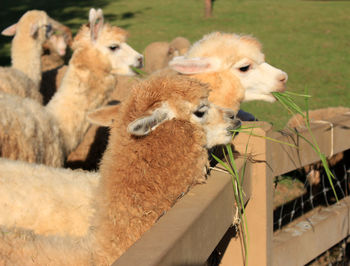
x: 192, y: 229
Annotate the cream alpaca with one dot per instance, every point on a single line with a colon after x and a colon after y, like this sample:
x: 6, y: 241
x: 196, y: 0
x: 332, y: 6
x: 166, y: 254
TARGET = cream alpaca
x: 156, y: 152
x: 34, y: 133
x: 235, y: 68
x: 24, y: 77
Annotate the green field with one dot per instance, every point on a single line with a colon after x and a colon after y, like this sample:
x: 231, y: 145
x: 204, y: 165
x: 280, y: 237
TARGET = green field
x: 310, y: 40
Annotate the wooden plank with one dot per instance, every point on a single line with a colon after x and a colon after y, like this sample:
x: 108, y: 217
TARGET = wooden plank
x: 329, y: 136
x: 311, y: 235
x: 190, y: 231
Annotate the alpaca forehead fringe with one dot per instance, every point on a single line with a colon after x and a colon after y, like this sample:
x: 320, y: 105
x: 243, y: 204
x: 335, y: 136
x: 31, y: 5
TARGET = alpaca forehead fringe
x: 108, y: 33
x: 227, y: 46
x: 168, y: 88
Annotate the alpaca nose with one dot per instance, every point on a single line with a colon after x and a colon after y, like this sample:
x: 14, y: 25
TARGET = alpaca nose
x: 283, y: 77
x: 235, y: 122
x: 140, y: 61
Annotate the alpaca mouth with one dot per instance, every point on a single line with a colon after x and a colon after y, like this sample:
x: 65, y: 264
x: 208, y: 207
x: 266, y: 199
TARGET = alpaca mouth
x: 137, y: 70
x: 231, y: 130
x: 138, y: 64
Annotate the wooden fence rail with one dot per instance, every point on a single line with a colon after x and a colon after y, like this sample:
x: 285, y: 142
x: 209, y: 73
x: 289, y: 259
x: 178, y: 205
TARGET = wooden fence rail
x: 190, y: 231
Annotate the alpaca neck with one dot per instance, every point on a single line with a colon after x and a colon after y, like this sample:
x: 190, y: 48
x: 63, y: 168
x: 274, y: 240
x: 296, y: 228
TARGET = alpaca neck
x: 85, y: 87
x: 140, y: 179
x: 25, y: 56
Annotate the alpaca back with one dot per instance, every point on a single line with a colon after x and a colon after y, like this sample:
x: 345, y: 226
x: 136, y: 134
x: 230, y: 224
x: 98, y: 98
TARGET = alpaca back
x: 27, y: 132
x: 13, y: 81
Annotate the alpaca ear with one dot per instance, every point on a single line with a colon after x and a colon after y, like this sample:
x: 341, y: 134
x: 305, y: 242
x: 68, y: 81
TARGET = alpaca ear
x: 198, y: 65
x: 144, y: 125
x: 103, y: 116
x: 96, y: 23
x: 10, y: 31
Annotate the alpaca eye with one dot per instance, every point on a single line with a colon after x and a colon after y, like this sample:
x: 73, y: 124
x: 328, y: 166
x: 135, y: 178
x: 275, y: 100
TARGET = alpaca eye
x: 244, y: 69
x: 199, y: 114
x: 114, y: 47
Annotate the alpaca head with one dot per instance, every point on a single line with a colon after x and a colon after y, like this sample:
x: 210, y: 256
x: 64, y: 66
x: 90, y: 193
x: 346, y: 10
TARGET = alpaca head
x: 110, y: 41
x: 33, y: 23
x: 58, y: 43
x: 241, y: 56
x: 163, y: 99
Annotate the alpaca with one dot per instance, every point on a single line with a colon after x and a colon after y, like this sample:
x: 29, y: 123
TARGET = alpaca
x: 88, y: 153
x: 180, y: 45
x: 156, y: 152
x: 61, y: 196
x: 46, y: 134
x: 313, y: 171
x: 54, y: 49
x: 24, y: 76
x: 53, y: 60
x: 159, y: 54
x: 235, y: 68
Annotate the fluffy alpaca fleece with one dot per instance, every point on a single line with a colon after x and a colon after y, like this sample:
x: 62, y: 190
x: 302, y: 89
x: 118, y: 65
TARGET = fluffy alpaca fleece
x: 57, y: 128
x: 88, y: 153
x: 157, y: 151
x: 60, y: 196
x: 235, y: 68
x: 316, y: 116
x: 159, y: 54
x: 24, y: 77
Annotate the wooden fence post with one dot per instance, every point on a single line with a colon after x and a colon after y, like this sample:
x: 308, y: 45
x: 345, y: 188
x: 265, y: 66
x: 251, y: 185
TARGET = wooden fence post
x: 259, y: 209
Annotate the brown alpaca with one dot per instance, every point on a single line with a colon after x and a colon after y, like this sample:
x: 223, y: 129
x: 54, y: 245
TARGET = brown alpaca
x: 159, y: 54
x: 89, y: 152
x: 157, y: 151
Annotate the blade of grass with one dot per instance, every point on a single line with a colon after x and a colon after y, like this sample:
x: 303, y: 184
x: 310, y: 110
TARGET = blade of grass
x: 238, y: 190
x: 265, y: 137
x: 296, y: 94
x: 288, y: 103
x: 320, y: 154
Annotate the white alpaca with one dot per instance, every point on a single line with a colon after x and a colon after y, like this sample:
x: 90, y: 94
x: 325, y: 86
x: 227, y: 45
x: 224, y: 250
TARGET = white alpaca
x: 234, y: 66
x: 34, y: 133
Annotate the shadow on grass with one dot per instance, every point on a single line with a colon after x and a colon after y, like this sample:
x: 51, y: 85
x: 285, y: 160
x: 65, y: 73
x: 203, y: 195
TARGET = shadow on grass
x: 71, y: 13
